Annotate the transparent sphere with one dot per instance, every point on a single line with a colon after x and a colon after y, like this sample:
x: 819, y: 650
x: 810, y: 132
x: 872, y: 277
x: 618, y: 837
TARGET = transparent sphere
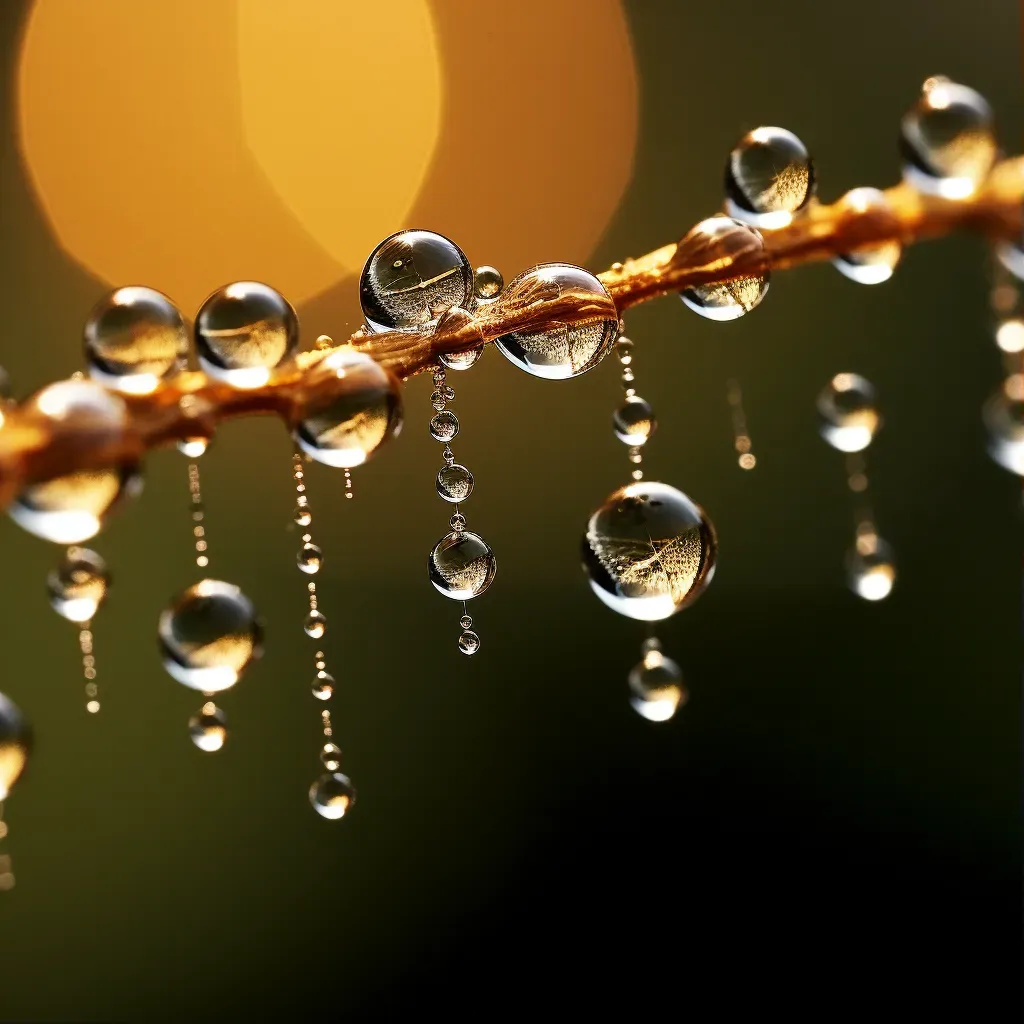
x: 412, y: 279
x: 728, y: 300
x: 469, y: 642
x: 78, y: 586
x: 649, y: 551
x: 315, y: 624
x: 209, y: 636
x: 330, y: 757
x: 352, y: 406
x: 947, y: 140
x: 15, y: 744
x: 874, y: 264
x: 208, y: 728
x: 302, y: 516
x: 769, y: 176
x: 563, y: 350
x: 461, y: 360
x: 243, y: 331
x: 444, y: 426
x: 461, y: 565
x: 332, y: 795
x: 72, y: 508
x: 454, y: 483
x: 656, y: 687
x: 849, y: 418
x: 1004, y: 418
x: 323, y: 685
x: 310, y: 558
x: 133, y: 339
x: 487, y: 283
x: 870, y: 571
x: 634, y: 422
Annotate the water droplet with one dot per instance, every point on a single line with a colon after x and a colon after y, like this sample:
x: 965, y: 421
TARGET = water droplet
x: 649, y: 551
x: 461, y: 360
x: 411, y: 279
x: 78, y: 586
x: 466, y: 622
x: 849, y: 418
x: 243, y: 331
x: 870, y: 569
x: 454, y: 483
x: 302, y: 516
x: 330, y: 757
x: 1011, y: 256
x: 947, y: 140
x: 332, y: 795
x: 457, y: 522
x: 1004, y: 418
x: 469, y: 642
x: 315, y: 624
x: 343, y: 428
x: 444, y: 426
x: 209, y: 636
x: 15, y: 744
x: 437, y: 400
x: 634, y: 422
x: 461, y: 565
x: 487, y: 284
x: 624, y: 351
x: 323, y: 686
x: 208, y: 728
x: 309, y: 558
x: 1010, y: 335
x: 656, y: 687
x: 874, y: 264
x: 567, y: 349
x: 728, y: 300
x: 193, y: 447
x: 769, y: 176
x: 133, y: 339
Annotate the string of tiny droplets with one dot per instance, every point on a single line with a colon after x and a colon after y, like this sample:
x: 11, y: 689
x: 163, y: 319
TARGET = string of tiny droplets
x: 6, y: 872
x: 444, y: 393
x: 741, y: 436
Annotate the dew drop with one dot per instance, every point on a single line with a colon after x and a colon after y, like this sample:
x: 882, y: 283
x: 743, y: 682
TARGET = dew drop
x: 469, y: 642
x: 874, y: 264
x: 79, y: 585
x: 309, y: 559
x: 332, y: 795
x: 634, y: 422
x: 454, y: 483
x: 727, y: 300
x: 323, y: 686
x: 315, y: 624
x: 461, y: 565
x: 330, y: 757
x: 769, y: 176
x: 849, y: 417
x: 487, y: 284
x: 870, y: 570
x: 656, y: 687
x: 302, y: 516
x: 208, y: 728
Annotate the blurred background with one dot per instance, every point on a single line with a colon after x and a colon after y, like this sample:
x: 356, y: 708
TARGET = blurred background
x: 831, y: 821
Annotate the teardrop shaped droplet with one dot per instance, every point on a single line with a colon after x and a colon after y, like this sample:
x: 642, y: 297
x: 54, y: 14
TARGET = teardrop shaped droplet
x: 15, y: 744
x: 323, y: 685
x: 78, y: 586
x: 656, y: 687
x: 454, y: 483
x: 849, y: 416
x: 332, y: 795
x: 208, y: 728
x: 461, y: 565
x: 444, y: 426
x: 315, y: 624
x: 634, y: 422
x: 713, y: 239
x: 309, y: 559
x: 871, y: 264
x: 769, y: 176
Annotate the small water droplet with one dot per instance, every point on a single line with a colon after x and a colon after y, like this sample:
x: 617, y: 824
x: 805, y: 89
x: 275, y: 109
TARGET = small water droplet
x: 870, y: 570
x: 487, y: 283
x: 310, y: 558
x: 454, y: 483
x: 79, y: 585
x: 656, y: 687
x: 302, y: 516
x: 466, y: 621
x: 444, y: 426
x: 461, y: 565
x: 193, y: 447
x: 330, y: 757
x: 323, y: 686
x: 332, y: 795
x: 469, y: 642
x: 208, y: 728
x: 634, y: 422
x: 873, y: 264
x: 849, y: 417
x: 315, y: 624
x: 727, y: 300
x: 769, y: 176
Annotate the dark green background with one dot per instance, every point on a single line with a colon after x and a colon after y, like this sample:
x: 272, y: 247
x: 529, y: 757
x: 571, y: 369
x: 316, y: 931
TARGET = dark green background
x: 831, y: 822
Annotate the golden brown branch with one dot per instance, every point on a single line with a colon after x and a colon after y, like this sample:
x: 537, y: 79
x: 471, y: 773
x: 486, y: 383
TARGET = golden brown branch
x: 32, y: 448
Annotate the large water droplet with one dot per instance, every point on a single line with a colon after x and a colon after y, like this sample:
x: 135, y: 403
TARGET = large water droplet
x: 332, y: 795
x: 947, y: 140
x: 78, y: 586
x: 565, y: 349
x: 209, y: 636
x: 133, y: 339
x: 634, y: 422
x: 870, y: 570
x: 849, y: 417
x: 411, y: 279
x: 462, y: 565
x: 243, y: 331
x: 656, y: 687
x: 208, y: 728
x: 351, y: 406
x: 649, y: 551
x: 727, y: 300
x: 874, y: 264
x: 769, y: 176
x: 15, y: 744
x: 454, y: 483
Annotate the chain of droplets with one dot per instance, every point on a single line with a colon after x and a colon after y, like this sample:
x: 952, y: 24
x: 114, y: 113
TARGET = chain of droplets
x: 6, y: 870
x: 198, y: 516
x: 1004, y: 411
x: 624, y: 419
x: 85, y: 638
x: 469, y: 641
x: 741, y: 435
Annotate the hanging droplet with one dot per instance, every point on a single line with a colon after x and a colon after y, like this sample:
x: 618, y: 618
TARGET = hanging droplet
x: 343, y: 428
x: 624, y: 351
x: 134, y: 338
x: 209, y: 636
x: 469, y: 642
x: 1011, y: 256
x: 330, y: 757
x: 302, y: 516
x: 565, y: 349
x: 487, y: 284
x: 444, y: 426
x: 437, y: 400
x: 411, y: 279
x: 466, y: 622
x: 634, y: 422
x: 1004, y: 418
x: 849, y: 418
x: 309, y: 558
x: 649, y: 551
x: 243, y: 331
x: 873, y: 264
x: 870, y: 569
x: 712, y: 240
x: 332, y: 795
x: 656, y: 687
x: 454, y: 483
x: 323, y: 686
x: 71, y: 509
x: 947, y: 140
x: 461, y: 360
x: 15, y: 744
x: 457, y: 522
x: 193, y: 447
x: 769, y: 176
x: 208, y: 728
x: 462, y: 565
x: 78, y: 586
x: 315, y: 624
